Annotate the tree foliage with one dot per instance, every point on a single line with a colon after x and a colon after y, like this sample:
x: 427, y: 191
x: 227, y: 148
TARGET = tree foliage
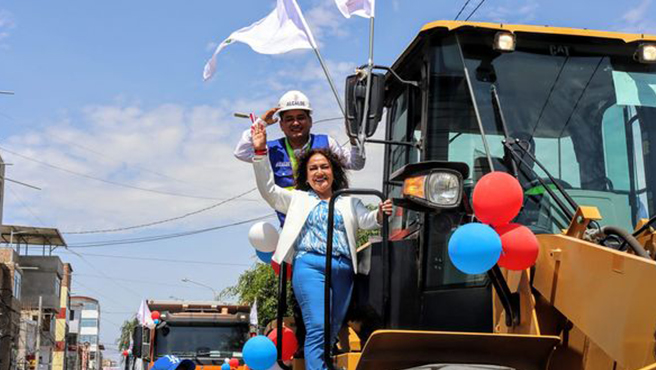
x: 261, y: 283
x: 364, y: 235
x: 127, y: 328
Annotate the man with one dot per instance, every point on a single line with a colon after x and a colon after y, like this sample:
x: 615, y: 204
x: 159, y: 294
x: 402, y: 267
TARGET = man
x: 295, y: 114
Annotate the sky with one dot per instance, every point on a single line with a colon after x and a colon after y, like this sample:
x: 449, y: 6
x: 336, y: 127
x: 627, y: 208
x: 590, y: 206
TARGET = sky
x: 111, y: 119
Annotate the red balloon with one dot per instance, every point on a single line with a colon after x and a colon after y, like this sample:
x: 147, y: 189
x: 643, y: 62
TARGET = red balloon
x: 289, y: 342
x: 497, y: 198
x: 276, y: 269
x: 520, y: 247
x: 125, y: 352
x: 155, y: 315
x: 234, y: 363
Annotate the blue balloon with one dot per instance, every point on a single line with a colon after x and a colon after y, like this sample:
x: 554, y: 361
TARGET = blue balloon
x: 474, y: 248
x: 225, y: 366
x: 156, y: 321
x: 259, y: 353
x: 264, y: 256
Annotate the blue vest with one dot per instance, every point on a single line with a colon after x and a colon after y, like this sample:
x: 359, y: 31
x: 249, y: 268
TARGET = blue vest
x: 283, y: 173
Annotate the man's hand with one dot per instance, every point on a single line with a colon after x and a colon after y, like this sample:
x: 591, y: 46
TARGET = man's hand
x: 259, y: 137
x: 384, y: 207
x: 269, y: 116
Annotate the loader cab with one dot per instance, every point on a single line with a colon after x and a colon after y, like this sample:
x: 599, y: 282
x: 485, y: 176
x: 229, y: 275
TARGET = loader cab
x: 582, y: 103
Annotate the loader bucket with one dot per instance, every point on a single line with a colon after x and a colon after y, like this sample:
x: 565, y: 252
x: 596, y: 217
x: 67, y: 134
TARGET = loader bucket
x: 394, y: 349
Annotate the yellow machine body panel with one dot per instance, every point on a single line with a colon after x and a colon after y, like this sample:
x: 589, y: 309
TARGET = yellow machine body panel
x: 607, y: 294
x: 626, y: 37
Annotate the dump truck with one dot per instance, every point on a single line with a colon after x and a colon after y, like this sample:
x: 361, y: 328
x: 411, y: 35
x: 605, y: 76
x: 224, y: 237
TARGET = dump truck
x: 571, y: 113
x: 207, y: 333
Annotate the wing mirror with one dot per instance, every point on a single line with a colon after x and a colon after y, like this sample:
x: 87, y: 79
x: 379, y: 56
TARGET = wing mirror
x: 356, y: 89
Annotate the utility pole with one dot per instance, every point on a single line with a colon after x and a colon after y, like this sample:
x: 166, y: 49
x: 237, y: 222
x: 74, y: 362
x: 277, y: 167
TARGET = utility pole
x: 38, y: 335
x: 2, y: 187
x: 2, y: 171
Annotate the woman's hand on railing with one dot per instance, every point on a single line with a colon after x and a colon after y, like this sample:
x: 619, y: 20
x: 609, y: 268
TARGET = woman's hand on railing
x: 385, y: 207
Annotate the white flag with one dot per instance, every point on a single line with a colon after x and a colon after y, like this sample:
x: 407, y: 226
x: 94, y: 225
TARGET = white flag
x: 253, y: 315
x: 362, y: 8
x: 143, y: 315
x: 281, y: 31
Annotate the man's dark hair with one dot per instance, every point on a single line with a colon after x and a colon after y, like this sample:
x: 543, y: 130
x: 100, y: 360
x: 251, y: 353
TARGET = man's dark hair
x: 340, y: 179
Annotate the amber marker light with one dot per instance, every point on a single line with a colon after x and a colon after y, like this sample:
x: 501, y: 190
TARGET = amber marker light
x: 414, y: 186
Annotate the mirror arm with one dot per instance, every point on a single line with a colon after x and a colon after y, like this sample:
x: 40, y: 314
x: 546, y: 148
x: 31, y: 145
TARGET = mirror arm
x: 390, y: 70
x: 390, y: 142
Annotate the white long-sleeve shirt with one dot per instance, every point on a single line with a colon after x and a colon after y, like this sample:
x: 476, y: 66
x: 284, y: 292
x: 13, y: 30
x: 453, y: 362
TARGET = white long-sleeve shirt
x: 351, y: 156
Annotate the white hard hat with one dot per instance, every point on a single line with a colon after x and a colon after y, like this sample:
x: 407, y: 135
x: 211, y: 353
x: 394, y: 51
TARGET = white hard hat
x: 294, y: 99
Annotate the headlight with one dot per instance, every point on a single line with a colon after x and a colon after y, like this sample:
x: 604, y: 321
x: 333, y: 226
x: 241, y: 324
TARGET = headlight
x: 504, y: 41
x: 647, y: 53
x: 443, y: 188
x: 438, y: 189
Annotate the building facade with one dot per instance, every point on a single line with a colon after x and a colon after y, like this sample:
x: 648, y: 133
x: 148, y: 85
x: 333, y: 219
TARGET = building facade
x: 11, y: 277
x: 41, y: 302
x: 61, y: 321
x: 84, y: 323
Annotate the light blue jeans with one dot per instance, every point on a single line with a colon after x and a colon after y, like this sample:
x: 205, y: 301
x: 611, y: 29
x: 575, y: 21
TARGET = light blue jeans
x: 308, y: 281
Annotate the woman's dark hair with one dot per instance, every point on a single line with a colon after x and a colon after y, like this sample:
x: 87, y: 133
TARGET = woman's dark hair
x: 340, y: 180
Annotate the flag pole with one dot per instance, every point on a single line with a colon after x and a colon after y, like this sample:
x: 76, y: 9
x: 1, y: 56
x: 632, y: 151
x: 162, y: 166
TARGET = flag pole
x: 370, y: 67
x: 330, y: 79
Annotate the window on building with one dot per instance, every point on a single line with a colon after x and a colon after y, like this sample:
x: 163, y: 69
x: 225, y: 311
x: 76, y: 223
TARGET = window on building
x: 90, y: 306
x: 57, y: 286
x: 71, y: 315
x: 91, y: 339
x: 18, y: 280
x: 89, y: 323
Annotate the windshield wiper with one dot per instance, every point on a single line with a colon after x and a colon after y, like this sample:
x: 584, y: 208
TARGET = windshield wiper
x: 517, y: 158
x: 501, y: 121
x: 513, y: 157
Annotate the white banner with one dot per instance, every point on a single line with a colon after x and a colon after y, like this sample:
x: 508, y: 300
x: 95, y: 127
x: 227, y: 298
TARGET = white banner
x: 253, y: 315
x: 281, y: 31
x: 143, y: 315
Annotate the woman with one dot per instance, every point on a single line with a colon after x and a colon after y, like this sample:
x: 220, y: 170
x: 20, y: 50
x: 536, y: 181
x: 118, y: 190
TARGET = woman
x: 303, y: 238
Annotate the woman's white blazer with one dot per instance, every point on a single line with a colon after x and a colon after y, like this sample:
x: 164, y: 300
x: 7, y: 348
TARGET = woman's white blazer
x: 297, y: 205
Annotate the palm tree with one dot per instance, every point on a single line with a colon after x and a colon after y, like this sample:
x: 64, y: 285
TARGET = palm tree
x: 127, y: 328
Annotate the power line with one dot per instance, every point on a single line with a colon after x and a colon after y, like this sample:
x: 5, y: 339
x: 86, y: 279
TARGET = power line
x: 20, y: 200
x: 153, y: 223
x: 157, y: 259
x: 100, y: 271
x: 128, y: 186
x: 99, y: 293
x: 164, y: 236
x: 105, y: 312
x: 475, y: 9
x: 135, y: 165
x: 104, y: 319
x: 132, y: 280
x: 461, y: 10
x: 105, y: 156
